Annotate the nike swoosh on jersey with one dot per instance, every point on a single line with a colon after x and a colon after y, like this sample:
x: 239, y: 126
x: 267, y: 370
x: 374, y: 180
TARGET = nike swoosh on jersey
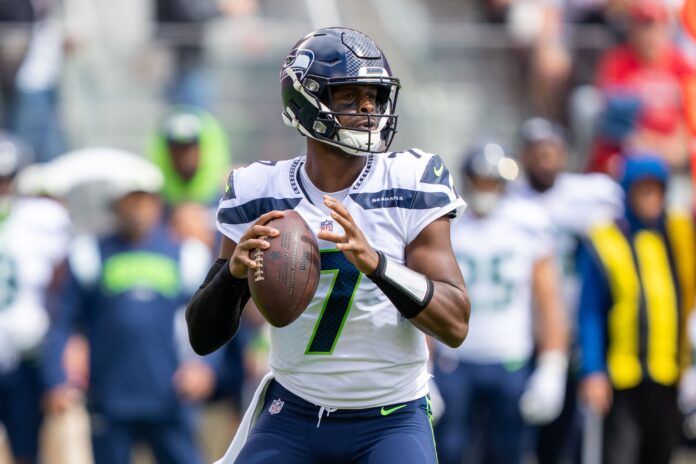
x: 438, y: 171
x: 386, y: 412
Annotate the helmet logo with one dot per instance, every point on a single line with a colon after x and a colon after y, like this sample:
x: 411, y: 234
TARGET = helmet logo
x: 372, y: 71
x: 298, y: 61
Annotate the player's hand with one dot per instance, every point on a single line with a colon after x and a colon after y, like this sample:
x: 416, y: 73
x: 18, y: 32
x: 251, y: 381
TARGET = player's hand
x: 76, y: 362
x: 62, y: 398
x: 254, y: 237
x: 353, y: 243
x: 542, y: 400
x: 194, y: 380
x: 596, y: 393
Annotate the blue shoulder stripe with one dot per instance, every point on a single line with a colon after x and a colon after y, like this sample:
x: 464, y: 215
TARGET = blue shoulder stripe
x: 401, y: 198
x: 251, y: 210
x: 410, y: 152
x: 436, y: 172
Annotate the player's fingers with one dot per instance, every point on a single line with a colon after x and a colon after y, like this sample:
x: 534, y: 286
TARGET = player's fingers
x: 347, y: 225
x: 338, y: 207
x: 348, y: 246
x: 246, y: 261
x: 264, y: 218
x: 259, y: 230
x: 252, y: 243
x: 332, y: 236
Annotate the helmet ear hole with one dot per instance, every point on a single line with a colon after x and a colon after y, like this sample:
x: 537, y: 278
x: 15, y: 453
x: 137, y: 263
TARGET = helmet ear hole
x: 311, y: 85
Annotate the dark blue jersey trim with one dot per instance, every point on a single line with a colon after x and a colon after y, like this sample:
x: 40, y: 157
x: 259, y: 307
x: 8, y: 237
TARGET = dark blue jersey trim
x: 251, y: 210
x: 298, y: 177
x: 410, y: 152
x: 401, y: 198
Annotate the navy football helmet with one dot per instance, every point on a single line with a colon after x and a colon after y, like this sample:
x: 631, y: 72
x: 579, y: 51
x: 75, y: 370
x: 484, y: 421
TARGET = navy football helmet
x: 489, y: 161
x: 332, y: 57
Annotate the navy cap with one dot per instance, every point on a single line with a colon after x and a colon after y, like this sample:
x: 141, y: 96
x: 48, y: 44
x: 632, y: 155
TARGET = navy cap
x: 641, y: 166
x: 183, y: 126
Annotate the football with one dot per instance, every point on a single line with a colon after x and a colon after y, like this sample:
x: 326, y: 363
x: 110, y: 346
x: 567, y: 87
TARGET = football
x: 287, y: 273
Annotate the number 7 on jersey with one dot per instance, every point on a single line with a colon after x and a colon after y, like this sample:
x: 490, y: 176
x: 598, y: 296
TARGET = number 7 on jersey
x: 337, y: 303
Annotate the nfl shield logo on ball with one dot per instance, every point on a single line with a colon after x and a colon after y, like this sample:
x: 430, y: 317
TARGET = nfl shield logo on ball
x: 276, y: 406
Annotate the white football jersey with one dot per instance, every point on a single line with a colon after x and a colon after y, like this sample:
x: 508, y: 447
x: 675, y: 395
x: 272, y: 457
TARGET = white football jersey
x: 574, y: 204
x: 497, y: 254
x: 350, y: 348
x: 33, y: 241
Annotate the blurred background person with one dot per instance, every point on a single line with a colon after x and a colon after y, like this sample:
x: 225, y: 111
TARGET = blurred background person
x: 504, y: 248
x: 470, y: 67
x: 637, y: 293
x: 573, y: 203
x: 645, y: 84
x: 181, y: 24
x: 34, y: 234
x: 31, y: 97
x: 537, y: 28
x: 191, y: 149
x: 16, y: 18
x: 124, y: 291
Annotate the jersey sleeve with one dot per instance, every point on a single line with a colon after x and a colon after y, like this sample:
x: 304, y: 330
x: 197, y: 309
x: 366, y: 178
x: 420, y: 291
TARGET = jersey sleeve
x: 251, y: 192
x: 231, y: 220
x: 434, y: 196
x: 70, y: 301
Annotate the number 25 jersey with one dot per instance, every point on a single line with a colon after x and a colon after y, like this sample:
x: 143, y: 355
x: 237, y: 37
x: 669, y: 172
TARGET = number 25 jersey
x: 350, y: 348
x: 497, y: 255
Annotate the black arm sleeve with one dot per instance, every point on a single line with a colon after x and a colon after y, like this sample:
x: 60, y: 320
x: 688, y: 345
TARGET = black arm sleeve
x: 408, y: 290
x: 214, y: 311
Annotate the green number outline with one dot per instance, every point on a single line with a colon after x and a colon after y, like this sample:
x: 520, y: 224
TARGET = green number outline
x: 493, y: 265
x: 10, y: 285
x: 335, y: 273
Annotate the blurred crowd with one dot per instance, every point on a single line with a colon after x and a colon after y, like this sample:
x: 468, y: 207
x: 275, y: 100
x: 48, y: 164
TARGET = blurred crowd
x: 577, y: 246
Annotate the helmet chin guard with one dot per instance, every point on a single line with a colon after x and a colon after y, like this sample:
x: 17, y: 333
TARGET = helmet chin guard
x: 333, y: 57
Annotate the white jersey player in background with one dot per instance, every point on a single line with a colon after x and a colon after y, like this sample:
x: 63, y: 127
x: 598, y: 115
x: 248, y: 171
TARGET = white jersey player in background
x: 574, y: 203
x: 34, y: 233
x: 504, y: 247
x: 348, y: 378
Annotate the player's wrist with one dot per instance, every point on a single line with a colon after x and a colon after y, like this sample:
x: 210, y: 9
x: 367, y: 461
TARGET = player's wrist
x: 408, y: 290
x: 379, y: 263
x: 553, y: 360
x: 234, y: 272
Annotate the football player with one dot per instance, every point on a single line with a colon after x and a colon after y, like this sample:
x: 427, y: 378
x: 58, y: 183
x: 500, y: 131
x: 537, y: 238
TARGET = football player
x: 348, y: 379
x: 503, y: 245
x: 574, y: 203
x: 33, y: 241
